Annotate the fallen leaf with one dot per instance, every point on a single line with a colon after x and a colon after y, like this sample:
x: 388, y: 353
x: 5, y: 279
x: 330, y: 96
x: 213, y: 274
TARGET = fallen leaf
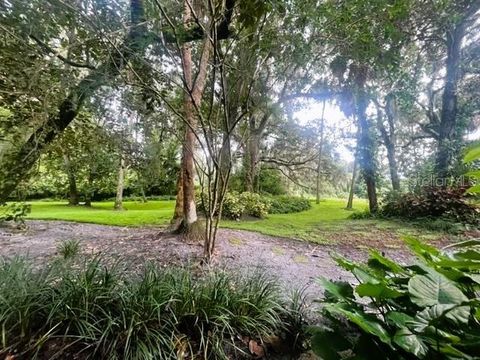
x: 256, y: 349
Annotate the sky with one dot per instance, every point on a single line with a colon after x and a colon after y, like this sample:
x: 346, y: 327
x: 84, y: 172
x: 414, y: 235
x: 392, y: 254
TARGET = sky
x: 334, y: 118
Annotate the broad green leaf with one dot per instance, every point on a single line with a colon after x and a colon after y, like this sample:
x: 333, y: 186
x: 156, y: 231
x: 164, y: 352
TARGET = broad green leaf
x: 337, y: 289
x: 366, y: 322
x: 472, y: 155
x: 378, y: 291
x: 432, y: 289
x: 328, y: 345
x: 399, y: 319
x: 410, y: 342
x: 377, y: 260
x: 432, y: 316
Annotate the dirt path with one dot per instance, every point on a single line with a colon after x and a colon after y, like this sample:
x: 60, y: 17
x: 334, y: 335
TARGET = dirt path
x: 296, y: 264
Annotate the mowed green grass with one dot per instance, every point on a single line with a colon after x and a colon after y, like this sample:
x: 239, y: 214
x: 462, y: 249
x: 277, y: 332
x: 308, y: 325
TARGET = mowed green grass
x: 303, y: 225
x: 155, y: 213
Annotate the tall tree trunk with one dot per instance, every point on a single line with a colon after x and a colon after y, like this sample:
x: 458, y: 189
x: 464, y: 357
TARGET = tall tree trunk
x: 352, y: 184
x: 193, y: 94
x: 252, y: 157
x: 177, y: 219
x: 16, y: 162
x: 446, y: 146
x: 120, y: 185
x: 366, y: 144
x: 73, y: 198
x: 320, y: 153
x: 389, y: 138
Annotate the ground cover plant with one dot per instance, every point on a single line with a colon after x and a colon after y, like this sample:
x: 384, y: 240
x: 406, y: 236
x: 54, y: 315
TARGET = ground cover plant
x: 426, y: 310
x: 87, y: 310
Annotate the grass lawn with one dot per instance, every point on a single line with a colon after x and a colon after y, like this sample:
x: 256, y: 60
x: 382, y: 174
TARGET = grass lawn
x: 319, y: 224
x: 135, y: 213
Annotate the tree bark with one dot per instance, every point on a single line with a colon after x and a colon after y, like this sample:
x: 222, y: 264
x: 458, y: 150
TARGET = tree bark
x: 389, y: 138
x: 366, y: 144
x: 120, y: 185
x: 73, y: 197
x: 448, y: 120
x: 16, y: 162
x: 252, y: 156
x: 352, y: 185
x: 193, y: 94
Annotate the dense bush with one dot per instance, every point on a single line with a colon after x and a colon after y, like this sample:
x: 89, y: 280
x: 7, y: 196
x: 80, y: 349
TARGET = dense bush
x: 429, y: 310
x: 288, y: 204
x: 448, y: 202
x: 15, y: 212
x: 104, y: 313
x: 255, y: 204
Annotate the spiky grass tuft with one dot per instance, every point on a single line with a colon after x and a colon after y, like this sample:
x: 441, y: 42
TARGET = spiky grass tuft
x: 106, y: 313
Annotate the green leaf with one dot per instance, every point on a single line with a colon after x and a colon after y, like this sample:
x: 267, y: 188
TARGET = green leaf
x: 366, y: 322
x: 434, y: 315
x: 432, y: 289
x: 328, y: 344
x: 339, y: 290
x: 377, y: 260
x: 399, y: 319
x: 410, y: 342
x: 378, y: 291
x: 472, y: 155
x: 474, y: 189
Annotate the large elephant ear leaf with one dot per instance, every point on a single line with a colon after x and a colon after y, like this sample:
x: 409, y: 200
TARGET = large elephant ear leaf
x: 336, y: 290
x: 329, y: 345
x: 410, y: 342
x: 368, y: 323
x: 433, y: 289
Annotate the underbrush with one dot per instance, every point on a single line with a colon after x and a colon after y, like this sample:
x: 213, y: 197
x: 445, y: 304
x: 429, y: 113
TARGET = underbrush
x: 91, y: 311
x: 288, y: 204
x: 428, y: 310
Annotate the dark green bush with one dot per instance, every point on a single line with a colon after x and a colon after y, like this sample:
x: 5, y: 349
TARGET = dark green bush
x: 447, y: 202
x: 288, y: 204
x: 429, y: 310
x: 104, y: 313
x: 15, y: 212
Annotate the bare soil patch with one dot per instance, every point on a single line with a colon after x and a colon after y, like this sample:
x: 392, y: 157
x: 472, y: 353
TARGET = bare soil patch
x: 295, y: 263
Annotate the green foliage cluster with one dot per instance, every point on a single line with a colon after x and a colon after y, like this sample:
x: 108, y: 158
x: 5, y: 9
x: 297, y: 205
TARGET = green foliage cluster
x: 69, y: 249
x: 288, y: 204
x: 429, y: 310
x: 447, y: 202
x: 238, y: 205
x: 472, y: 156
x: 102, y: 312
x: 15, y: 212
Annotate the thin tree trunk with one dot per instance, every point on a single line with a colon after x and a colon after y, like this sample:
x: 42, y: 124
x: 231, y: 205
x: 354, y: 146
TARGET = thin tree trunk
x: 366, y: 144
x: 251, y: 159
x: 120, y: 185
x: 89, y: 192
x: 352, y: 185
x: 16, y: 162
x: 73, y: 197
x: 389, y: 138
x: 320, y: 154
x: 177, y: 219
x: 192, y: 102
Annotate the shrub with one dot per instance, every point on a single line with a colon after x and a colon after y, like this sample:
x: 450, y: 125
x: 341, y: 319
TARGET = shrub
x: 361, y: 215
x: 103, y: 313
x: 288, y: 204
x: 448, y: 202
x: 255, y: 205
x: 233, y: 207
x: 425, y: 311
x: 68, y: 249
x: 15, y: 212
